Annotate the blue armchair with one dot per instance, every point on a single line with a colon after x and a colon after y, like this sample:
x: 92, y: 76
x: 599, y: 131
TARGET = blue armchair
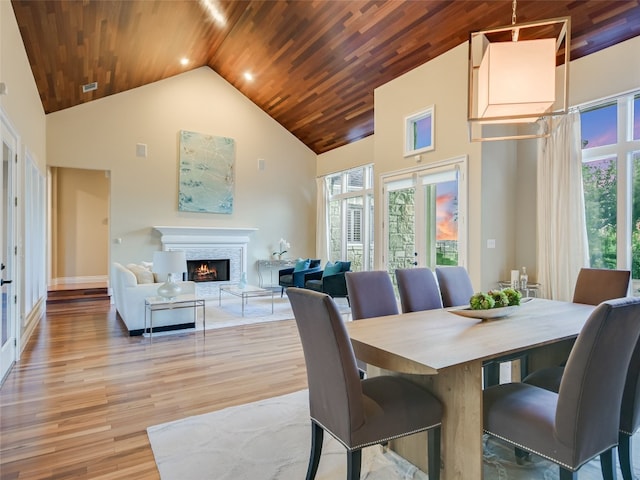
x: 295, y: 276
x: 330, y: 280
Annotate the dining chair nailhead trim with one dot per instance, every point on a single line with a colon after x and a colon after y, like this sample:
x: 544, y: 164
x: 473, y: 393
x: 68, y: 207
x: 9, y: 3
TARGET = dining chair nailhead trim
x: 533, y: 451
x: 376, y: 442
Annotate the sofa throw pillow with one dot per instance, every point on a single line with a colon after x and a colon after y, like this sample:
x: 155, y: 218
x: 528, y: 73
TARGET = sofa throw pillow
x: 301, y: 265
x: 331, y: 269
x: 143, y: 275
x: 157, y: 278
x: 345, y: 266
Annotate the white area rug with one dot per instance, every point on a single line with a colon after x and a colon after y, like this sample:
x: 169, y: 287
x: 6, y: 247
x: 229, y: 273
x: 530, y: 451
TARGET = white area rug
x: 266, y: 440
x: 270, y: 440
x: 256, y: 310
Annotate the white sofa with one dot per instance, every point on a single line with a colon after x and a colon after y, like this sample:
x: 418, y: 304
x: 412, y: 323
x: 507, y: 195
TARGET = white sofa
x: 131, y: 285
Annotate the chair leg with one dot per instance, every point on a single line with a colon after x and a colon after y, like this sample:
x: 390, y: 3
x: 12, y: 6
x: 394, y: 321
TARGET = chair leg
x: 522, y: 456
x: 281, y: 292
x: 353, y: 464
x: 608, y: 465
x: 624, y: 455
x: 568, y: 474
x: 317, y: 435
x: 433, y: 451
x: 524, y: 366
x: 491, y: 374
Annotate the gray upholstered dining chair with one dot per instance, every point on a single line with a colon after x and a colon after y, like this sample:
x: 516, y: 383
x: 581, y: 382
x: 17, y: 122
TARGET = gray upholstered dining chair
x: 358, y: 413
x: 371, y: 294
x: 595, y: 285
x: 581, y: 421
x: 418, y: 289
x: 550, y: 379
x: 629, y: 415
x: 455, y: 285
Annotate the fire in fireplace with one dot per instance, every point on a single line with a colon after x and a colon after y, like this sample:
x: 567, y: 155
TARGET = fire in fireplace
x: 216, y: 270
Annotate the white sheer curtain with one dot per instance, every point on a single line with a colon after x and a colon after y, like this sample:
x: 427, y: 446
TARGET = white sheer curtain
x: 322, y: 219
x: 562, y: 234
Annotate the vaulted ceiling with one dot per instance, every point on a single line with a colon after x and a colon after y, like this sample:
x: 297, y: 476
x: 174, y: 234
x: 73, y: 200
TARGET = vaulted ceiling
x: 315, y: 63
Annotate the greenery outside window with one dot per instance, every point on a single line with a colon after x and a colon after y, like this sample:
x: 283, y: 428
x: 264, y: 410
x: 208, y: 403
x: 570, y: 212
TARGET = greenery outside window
x: 611, y: 183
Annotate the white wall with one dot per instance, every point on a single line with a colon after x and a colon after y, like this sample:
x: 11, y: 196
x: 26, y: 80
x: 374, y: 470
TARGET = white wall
x: 80, y: 216
x: 502, y: 175
x: 23, y: 110
x: 609, y: 72
x: 352, y: 155
x: 441, y: 82
x: 102, y: 135
x: 22, y: 103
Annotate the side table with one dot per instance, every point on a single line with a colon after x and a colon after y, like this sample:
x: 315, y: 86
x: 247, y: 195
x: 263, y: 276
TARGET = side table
x: 269, y: 265
x: 157, y: 303
x: 531, y: 290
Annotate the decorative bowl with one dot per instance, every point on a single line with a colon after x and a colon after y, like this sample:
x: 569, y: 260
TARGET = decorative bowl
x: 491, y: 313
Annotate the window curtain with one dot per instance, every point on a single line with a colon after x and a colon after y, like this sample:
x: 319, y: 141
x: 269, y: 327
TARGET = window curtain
x: 322, y: 219
x: 562, y: 247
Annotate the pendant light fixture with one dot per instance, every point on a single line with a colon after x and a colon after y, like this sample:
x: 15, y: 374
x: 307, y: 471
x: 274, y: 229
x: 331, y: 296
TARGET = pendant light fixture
x: 514, y: 82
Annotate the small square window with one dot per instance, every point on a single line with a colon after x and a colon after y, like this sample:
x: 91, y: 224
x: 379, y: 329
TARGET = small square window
x: 418, y: 132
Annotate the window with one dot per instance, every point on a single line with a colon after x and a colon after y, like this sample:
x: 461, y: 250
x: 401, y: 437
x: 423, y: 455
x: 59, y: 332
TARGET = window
x: 354, y: 221
x: 418, y: 132
x: 611, y: 183
x: 35, y: 235
x: 425, y: 212
x: 350, y: 217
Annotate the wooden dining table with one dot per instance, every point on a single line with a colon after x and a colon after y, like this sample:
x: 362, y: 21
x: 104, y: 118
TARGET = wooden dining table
x: 444, y: 352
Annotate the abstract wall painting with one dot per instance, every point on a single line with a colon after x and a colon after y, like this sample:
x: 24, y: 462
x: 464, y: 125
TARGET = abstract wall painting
x: 207, y: 173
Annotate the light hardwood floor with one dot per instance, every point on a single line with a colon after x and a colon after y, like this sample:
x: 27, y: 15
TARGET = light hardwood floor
x: 78, y: 403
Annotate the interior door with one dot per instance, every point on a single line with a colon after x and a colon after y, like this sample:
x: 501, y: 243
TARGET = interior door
x: 425, y: 220
x: 8, y: 333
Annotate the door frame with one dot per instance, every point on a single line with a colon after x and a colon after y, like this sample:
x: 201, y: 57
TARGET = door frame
x: 461, y: 164
x: 10, y: 352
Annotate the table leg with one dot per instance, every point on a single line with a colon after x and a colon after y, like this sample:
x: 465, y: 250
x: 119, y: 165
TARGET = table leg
x: 150, y: 325
x: 204, y: 318
x: 460, y: 390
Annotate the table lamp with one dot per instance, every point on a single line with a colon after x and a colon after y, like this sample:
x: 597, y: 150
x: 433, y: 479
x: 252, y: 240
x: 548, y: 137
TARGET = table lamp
x: 169, y: 262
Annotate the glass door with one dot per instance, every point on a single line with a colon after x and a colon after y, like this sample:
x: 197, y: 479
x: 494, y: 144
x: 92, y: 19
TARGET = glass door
x: 8, y: 330
x: 425, y: 217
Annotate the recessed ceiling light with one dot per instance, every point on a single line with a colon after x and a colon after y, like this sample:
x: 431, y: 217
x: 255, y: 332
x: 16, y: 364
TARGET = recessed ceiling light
x: 211, y: 7
x: 248, y: 76
x: 184, y: 61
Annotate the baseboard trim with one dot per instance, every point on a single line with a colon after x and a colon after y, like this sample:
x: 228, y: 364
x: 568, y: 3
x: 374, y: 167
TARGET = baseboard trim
x: 167, y: 328
x: 72, y: 280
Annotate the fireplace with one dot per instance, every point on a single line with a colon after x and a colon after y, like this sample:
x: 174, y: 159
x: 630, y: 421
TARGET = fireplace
x: 215, y: 270
x: 210, y: 243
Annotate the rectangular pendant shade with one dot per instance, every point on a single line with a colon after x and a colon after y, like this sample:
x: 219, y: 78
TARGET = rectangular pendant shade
x: 517, y: 79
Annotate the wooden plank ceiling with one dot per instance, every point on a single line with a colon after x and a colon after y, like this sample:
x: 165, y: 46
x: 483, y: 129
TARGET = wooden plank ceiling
x: 315, y: 63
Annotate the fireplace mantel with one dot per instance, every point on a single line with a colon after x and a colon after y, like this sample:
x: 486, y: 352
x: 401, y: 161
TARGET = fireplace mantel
x: 204, y: 235
x: 200, y: 243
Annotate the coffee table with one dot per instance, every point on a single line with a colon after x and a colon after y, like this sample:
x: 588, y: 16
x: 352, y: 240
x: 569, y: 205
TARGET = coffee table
x: 245, y: 293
